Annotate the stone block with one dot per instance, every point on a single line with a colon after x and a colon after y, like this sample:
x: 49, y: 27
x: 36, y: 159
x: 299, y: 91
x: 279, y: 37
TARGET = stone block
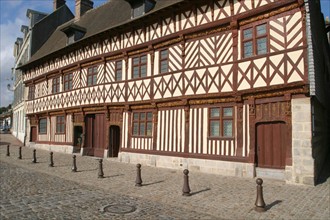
x: 308, y: 180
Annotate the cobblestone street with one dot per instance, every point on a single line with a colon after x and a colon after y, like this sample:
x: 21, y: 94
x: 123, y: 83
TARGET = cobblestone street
x: 37, y: 191
x: 31, y: 195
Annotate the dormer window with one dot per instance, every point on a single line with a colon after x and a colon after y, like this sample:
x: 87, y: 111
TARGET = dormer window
x: 140, y: 7
x: 73, y: 33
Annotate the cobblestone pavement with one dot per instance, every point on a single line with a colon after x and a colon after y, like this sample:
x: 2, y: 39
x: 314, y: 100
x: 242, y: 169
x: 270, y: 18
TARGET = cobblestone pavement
x: 37, y: 191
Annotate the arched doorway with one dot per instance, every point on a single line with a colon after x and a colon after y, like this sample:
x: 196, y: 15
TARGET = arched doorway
x: 114, y: 140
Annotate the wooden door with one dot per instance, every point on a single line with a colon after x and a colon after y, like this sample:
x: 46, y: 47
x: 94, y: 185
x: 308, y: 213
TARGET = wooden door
x: 99, y: 136
x: 271, y: 145
x: 95, y: 135
x: 89, y: 134
x: 114, y: 139
x: 33, y: 135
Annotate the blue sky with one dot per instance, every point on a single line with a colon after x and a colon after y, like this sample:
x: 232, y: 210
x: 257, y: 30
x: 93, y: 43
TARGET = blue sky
x: 13, y: 16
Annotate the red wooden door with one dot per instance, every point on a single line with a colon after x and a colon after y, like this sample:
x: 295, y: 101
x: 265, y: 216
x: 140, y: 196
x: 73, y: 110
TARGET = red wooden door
x: 271, y: 144
x: 33, y: 134
x: 99, y: 135
x: 95, y: 135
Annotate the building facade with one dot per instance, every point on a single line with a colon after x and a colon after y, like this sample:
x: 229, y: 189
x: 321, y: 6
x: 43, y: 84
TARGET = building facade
x: 34, y: 35
x: 215, y: 86
x: 22, y: 54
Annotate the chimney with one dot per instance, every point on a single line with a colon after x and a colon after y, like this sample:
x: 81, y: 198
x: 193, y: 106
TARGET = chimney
x: 58, y: 3
x: 82, y: 6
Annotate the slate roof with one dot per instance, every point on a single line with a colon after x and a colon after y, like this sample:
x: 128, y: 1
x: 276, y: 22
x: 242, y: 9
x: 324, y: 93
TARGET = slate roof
x: 111, y: 14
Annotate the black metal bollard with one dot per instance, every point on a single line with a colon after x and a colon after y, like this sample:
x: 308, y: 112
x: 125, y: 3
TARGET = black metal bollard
x: 138, y: 180
x: 19, y: 153
x: 186, y: 188
x: 260, y: 203
x: 74, y: 165
x: 34, y: 160
x: 100, y: 174
x: 51, y: 164
x: 8, y: 153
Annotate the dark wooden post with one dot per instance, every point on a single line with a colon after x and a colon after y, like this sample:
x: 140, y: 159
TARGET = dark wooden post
x: 51, y: 164
x: 138, y: 180
x: 74, y: 165
x: 100, y: 174
x: 260, y: 203
x: 186, y: 188
x: 34, y: 160
x: 8, y: 153
x: 20, y: 153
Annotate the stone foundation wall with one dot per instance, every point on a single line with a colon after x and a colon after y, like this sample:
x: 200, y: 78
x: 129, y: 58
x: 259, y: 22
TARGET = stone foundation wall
x: 192, y: 164
x: 55, y: 148
x: 302, y: 169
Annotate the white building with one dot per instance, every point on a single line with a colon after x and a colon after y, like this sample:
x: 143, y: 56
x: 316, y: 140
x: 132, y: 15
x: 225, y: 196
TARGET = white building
x: 22, y: 53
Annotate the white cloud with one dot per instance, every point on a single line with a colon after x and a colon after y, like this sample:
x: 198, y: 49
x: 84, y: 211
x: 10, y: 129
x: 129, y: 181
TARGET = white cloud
x: 10, y: 29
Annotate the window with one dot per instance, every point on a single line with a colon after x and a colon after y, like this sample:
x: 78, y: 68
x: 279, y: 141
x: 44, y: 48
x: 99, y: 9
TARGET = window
x: 43, y: 126
x: 56, y: 85
x: 142, y: 124
x: 67, y: 81
x: 140, y: 7
x: 255, y: 40
x: 163, y: 61
x: 60, y: 124
x: 91, y: 76
x: 119, y: 70
x: 31, y: 92
x: 139, y: 66
x: 221, y: 122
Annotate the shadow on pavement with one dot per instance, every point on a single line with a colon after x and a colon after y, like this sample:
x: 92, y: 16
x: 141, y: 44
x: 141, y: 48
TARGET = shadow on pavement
x: 269, y: 206
x: 200, y: 191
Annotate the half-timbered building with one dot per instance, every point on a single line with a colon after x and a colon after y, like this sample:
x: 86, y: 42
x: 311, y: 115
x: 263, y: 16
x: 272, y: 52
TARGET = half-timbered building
x: 219, y: 86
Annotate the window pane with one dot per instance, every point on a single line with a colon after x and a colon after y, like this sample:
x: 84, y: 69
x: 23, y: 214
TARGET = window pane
x: 215, y: 112
x: 136, y: 116
x: 163, y: 54
x: 135, y: 60
x: 89, y: 80
x: 143, y: 70
x: 149, y: 128
x: 135, y: 72
x: 262, y: 45
x: 228, y: 112
x: 149, y: 116
x: 247, y: 33
x: 118, y: 64
x: 227, y: 128
x: 90, y: 70
x: 142, y: 129
x: 142, y: 116
x: 214, y: 128
x: 135, y: 128
x: 144, y: 59
x: 94, y: 79
x: 95, y: 69
x: 248, y: 49
x: 118, y: 75
x: 43, y: 126
x: 164, y: 66
x: 261, y: 29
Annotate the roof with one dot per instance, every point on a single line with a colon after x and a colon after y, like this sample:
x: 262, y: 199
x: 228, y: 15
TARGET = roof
x: 113, y: 13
